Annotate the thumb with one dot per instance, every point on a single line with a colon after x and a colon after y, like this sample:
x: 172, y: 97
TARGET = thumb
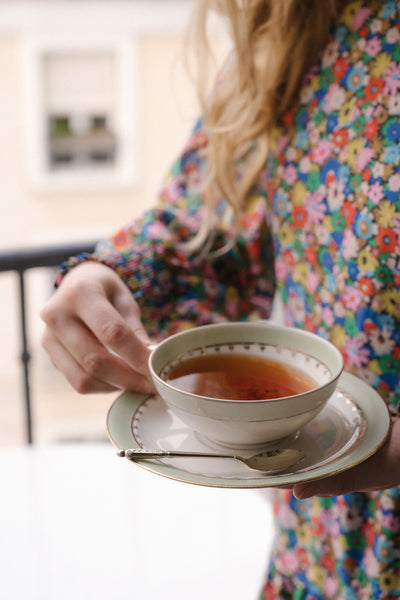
x: 129, y: 310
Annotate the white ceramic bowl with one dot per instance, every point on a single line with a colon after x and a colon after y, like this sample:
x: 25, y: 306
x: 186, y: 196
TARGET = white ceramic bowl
x: 250, y: 423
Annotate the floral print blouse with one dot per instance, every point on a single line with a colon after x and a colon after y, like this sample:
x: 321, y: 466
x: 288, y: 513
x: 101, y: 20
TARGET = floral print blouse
x: 322, y: 225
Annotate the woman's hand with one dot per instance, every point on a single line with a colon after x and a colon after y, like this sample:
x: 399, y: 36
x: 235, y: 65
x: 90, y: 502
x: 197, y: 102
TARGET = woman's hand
x: 380, y: 471
x: 94, y: 334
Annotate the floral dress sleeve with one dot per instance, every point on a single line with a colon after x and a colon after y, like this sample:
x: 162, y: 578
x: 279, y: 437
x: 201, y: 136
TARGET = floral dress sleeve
x: 177, y: 288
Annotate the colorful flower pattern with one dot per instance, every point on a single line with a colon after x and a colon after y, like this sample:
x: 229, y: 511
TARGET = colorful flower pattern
x: 323, y: 224
x: 336, y: 162
x: 337, y: 247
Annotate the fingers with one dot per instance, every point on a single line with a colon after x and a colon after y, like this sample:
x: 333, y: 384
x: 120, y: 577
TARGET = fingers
x: 72, y: 371
x: 322, y: 489
x: 380, y: 471
x: 88, y: 366
x: 129, y: 342
x: 94, y: 334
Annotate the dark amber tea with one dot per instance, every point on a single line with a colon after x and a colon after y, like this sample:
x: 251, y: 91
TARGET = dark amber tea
x: 238, y: 377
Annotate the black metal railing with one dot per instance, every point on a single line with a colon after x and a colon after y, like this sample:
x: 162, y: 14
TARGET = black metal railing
x: 20, y: 260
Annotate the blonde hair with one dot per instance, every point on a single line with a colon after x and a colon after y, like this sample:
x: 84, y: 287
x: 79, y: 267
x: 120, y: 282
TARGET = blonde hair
x: 274, y: 42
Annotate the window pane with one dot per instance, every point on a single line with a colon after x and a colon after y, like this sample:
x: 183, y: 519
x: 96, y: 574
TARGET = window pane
x: 79, y: 82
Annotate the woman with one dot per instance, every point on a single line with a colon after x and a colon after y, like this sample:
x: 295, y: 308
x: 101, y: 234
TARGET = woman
x: 290, y: 180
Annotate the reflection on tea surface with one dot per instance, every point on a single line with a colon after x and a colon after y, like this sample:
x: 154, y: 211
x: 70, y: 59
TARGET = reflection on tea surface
x: 238, y: 377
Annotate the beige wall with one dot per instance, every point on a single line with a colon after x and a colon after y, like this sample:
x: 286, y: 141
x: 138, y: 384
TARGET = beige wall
x: 166, y: 111
x: 14, y: 202
x: 165, y: 117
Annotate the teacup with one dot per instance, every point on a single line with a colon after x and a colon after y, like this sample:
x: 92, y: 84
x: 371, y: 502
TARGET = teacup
x: 254, y: 420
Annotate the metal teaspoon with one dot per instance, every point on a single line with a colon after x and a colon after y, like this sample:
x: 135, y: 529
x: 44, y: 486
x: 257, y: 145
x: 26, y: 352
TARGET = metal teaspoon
x: 269, y: 461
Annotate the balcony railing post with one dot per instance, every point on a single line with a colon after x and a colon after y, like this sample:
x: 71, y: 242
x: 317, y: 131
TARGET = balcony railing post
x: 19, y: 261
x: 25, y: 357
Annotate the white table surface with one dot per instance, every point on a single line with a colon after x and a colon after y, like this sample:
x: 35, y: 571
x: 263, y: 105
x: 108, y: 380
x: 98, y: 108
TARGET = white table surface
x: 77, y: 522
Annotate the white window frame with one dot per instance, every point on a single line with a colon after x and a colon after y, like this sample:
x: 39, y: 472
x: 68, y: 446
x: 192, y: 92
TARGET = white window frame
x: 126, y: 168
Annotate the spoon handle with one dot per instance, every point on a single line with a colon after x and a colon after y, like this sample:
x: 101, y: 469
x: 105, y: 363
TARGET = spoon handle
x: 133, y: 453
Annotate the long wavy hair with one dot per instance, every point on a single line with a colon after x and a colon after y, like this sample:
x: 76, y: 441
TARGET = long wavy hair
x: 274, y: 42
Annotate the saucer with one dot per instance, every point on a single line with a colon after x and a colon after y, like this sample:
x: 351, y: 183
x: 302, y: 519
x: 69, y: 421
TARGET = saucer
x: 351, y: 427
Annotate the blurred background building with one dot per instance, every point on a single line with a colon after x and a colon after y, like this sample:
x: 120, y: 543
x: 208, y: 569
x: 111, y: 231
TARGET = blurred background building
x: 94, y: 104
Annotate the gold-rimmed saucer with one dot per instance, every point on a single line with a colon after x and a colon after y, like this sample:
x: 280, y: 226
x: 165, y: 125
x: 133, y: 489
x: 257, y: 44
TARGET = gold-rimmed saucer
x: 351, y: 427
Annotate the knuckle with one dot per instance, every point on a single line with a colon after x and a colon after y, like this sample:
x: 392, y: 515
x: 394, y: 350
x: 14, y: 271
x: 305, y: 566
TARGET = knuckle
x: 93, y: 364
x: 113, y: 333
x: 48, y: 315
x: 83, y: 384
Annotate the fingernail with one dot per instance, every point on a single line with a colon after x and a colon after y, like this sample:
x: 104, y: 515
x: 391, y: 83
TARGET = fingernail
x: 305, y: 493
x: 299, y: 495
